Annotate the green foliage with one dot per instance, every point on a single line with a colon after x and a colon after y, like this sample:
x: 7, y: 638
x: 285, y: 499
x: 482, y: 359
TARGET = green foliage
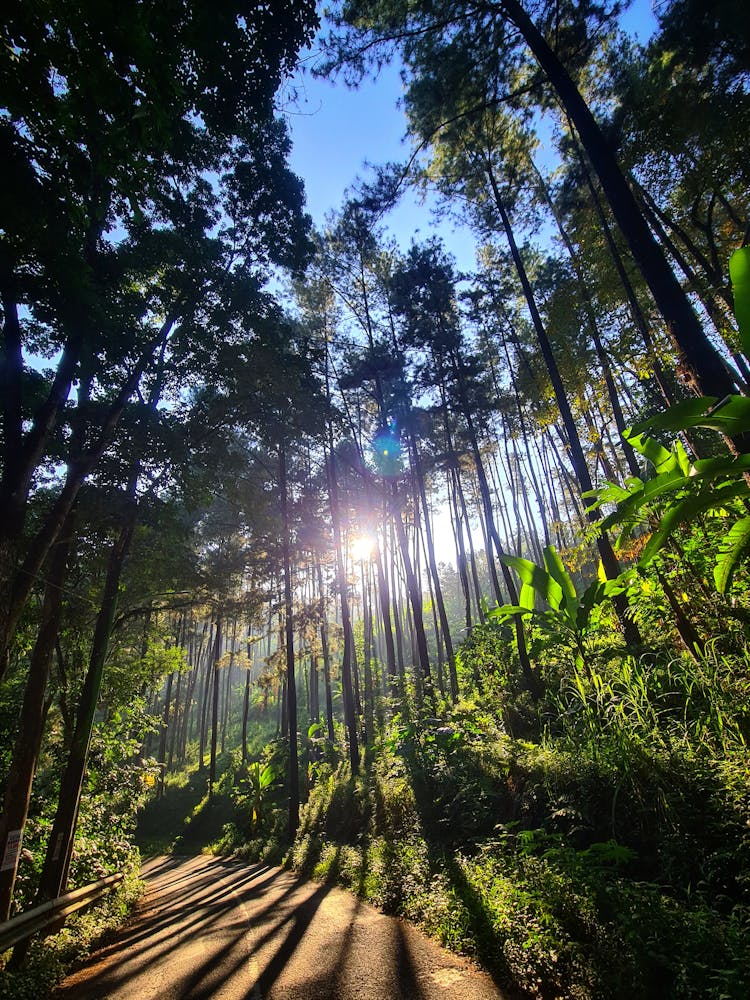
x: 49, y: 958
x: 739, y: 272
x: 682, y: 491
x: 569, y: 617
x: 608, y: 858
x: 251, y: 791
x: 117, y: 786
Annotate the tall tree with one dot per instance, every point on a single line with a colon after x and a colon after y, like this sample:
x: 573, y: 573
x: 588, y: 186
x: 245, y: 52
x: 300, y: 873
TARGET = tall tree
x: 490, y: 45
x: 116, y: 117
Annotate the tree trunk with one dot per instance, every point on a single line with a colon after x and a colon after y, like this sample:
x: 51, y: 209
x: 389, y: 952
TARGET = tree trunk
x: 31, y: 721
x: 697, y: 352
x: 163, y: 735
x: 326, y: 661
x: 15, y: 590
x: 432, y: 562
x: 216, y: 683
x: 415, y: 597
x: 606, y: 552
x: 54, y: 875
x: 291, y: 682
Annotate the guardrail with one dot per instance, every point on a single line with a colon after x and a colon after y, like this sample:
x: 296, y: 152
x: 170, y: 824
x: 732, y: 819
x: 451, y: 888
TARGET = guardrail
x: 46, y: 914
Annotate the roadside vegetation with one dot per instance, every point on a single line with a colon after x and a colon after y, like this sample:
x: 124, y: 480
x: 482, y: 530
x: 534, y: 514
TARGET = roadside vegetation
x: 602, y: 853
x: 317, y: 549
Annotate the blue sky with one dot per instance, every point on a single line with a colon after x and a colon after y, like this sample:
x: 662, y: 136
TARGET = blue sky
x: 336, y: 131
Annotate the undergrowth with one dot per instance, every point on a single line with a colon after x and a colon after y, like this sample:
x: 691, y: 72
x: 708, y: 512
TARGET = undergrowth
x: 599, y: 858
x: 50, y: 959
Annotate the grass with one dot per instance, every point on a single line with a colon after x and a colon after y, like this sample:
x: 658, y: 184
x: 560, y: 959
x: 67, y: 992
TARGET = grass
x: 566, y: 874
x: 184, y: 820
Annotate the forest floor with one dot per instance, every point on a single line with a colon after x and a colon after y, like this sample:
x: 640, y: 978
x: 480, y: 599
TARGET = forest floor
x: 183, y: 820
x: 214, y: 928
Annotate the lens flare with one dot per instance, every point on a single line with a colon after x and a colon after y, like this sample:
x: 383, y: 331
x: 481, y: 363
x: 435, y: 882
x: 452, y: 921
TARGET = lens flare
x: 386, y: 453
x: 362, y: 548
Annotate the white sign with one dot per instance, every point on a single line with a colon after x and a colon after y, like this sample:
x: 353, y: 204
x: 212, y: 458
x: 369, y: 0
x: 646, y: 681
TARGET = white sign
x: 12, y: 850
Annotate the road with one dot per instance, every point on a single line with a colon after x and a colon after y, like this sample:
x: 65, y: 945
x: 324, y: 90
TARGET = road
x: 221, y: 929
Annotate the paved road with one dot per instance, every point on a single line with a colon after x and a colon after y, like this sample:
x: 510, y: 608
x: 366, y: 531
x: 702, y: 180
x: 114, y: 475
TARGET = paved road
x: 213, y: 928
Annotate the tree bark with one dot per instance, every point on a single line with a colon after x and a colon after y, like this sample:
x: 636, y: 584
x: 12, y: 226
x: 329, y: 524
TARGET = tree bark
x: 54, y: 875
x: 20, y: 777
x: 606, y: 552
x: 432, y: 562
x: 291, y: 682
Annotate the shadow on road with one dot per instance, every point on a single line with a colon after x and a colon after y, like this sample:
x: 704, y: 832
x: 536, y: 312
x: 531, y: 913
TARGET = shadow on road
x: 211, y: 928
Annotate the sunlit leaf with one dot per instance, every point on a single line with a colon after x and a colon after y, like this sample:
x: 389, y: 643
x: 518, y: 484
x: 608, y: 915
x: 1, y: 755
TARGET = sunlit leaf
x: 660, y: 457
x: 730, y: 415
x: 534, y: 576
x: 686, y: 510
x: 739, y: 272
x: 733, y: 548
x: 557, y: 571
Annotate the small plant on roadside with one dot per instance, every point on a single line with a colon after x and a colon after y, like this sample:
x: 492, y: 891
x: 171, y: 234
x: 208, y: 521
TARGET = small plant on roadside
x: 252, y: 791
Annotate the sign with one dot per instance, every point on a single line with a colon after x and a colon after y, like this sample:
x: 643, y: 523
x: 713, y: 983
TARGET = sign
x: 12, y: 850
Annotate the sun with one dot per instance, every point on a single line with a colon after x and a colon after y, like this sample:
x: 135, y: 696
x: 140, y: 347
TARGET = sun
x: 362, y: 547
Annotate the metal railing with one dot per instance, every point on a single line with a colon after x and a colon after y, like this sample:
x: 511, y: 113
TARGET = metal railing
x: 54, y: 911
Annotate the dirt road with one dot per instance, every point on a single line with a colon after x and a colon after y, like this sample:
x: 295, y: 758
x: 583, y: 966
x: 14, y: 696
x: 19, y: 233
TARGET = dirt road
x: 212, y: 928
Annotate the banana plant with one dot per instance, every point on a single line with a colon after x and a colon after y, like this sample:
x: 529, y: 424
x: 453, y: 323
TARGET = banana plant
x: 253, y: 792
x: 567, y: 613
x: 680, y: 490
x: 739, y: 273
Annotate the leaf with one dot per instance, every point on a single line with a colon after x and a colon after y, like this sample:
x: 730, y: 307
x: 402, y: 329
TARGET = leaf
x: 726, y: 466
x: 557, y: 571
x: 677, y: 418
x: 734, y: 546
x: 526, y: 597
x: 685, y: 510
x: 665, y: 482
x: 730, y: 415
x: 683, y: 460
x: 268, y: 775
x: 739, y: 272
x: 534, y: 576
x: 506, y: 611
x: 591, y: 596
x: 661, y: 459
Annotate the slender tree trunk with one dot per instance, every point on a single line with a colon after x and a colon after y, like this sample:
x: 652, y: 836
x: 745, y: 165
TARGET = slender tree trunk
x: 384, y: 598
x: 245, y: 711
x: 163, y: 735
x: 215, y: 707
x: 397, y: 624
x: 685, y: 628
x: 31, y: 722
x: 326, y: 661
x: 369, y: 699
x: 530, y: 678
x: 16, y: 587
x: 697, y: 351
x: 432, y: 562
x: 606, y: 552
x: 415, y: 597
x: 458, y: 537
x: 175, y: 727
x: 601, y: 354
x: 206, y: 700
x: 291, y: 683
x: 60, y: 847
